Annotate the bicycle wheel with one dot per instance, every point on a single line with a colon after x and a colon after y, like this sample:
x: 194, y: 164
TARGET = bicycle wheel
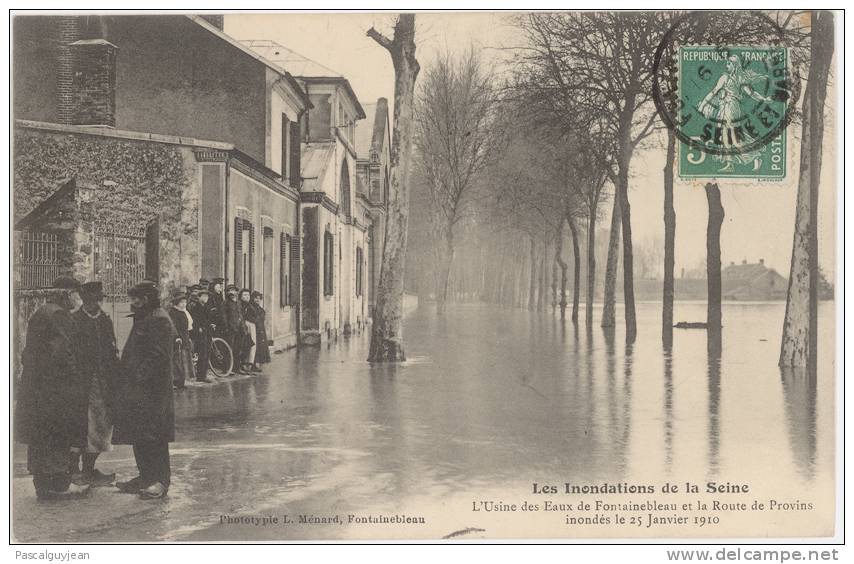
x: 221, y: 359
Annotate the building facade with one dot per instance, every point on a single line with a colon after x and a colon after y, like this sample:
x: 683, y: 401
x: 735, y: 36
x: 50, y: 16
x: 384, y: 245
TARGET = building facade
x: 180, y: 151
x: 341, y: 224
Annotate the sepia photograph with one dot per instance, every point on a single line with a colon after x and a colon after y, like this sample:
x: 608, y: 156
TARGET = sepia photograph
x: 429, y: 276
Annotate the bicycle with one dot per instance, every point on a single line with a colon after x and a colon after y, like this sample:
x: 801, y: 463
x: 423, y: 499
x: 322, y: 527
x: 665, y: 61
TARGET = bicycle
x: 221, y: 358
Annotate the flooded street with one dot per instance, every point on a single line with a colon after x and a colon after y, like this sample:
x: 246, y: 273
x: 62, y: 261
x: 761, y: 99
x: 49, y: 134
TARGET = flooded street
x: 489, y: 401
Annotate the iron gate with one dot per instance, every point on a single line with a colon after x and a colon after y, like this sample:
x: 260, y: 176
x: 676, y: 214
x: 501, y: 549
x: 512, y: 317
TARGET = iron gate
x: 123, y: 257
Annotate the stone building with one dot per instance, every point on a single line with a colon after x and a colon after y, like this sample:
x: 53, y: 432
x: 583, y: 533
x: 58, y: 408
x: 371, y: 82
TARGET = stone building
x: 752, y: 281
x: 341, y: 224
x: 373, y: 147
x: 158, y: 146
x: 160, y: 121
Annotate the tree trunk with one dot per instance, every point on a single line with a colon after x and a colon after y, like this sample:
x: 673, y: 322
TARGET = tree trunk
x: 610, y: 297
x: 532, y: 287
x: 576, y: 267
x: 669, y: 245
x: 713, y: 266
x: 562, y: 264
x: 628, y: 256
x: 798, y: 347
x: 555, y: 268
x: 591, y: 266
x: 541, y: 289
x: 387, y: 332
x: 446, y: 261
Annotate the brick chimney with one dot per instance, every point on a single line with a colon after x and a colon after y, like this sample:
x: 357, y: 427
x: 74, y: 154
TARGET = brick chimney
x: 94, y: 83
x: 68, y: 31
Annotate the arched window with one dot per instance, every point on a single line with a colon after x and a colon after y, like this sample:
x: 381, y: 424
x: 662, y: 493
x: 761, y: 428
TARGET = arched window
x: 344, y: 196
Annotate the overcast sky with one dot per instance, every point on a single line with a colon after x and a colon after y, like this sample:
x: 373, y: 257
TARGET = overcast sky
x: 759, y: 218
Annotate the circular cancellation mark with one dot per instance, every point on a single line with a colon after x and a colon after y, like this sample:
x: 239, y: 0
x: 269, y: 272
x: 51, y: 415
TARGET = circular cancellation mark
x: 722, y: 82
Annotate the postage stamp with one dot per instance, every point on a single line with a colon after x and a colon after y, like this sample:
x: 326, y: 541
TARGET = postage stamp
x: 733, y: 113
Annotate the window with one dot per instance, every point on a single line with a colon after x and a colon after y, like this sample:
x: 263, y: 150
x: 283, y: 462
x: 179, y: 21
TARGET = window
x: 344, y: 196
x: 284, y: 270
x: 328, y: 263
x: 244, y: 252
x: 359, y: 271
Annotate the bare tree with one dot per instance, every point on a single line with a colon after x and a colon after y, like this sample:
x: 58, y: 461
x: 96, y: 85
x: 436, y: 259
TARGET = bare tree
x: 387, y: 333
x: 610, y: 301
x: 713, y: 267
x: 454, y: 139
x: 798, y: 347
x: 668, y: 289
x: 602, y: 62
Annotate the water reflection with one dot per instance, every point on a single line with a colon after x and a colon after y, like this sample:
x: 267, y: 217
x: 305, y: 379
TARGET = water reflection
x: 799, y: 394
x: 668, y: 410
x: 489, y: 399
x: 714, y: 408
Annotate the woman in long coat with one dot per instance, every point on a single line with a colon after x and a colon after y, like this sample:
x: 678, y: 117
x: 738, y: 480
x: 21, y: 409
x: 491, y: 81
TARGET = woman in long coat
x: 183, y: 360
x: 250, y: 338
x: 262, y: 348
x: 144, y: 410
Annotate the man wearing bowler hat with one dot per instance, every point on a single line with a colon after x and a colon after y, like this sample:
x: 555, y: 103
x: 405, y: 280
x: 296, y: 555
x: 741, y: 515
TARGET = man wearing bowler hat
x: 201, y: 332
x: 98, y: 359
x: 52, y: 399
x: 145, y: 414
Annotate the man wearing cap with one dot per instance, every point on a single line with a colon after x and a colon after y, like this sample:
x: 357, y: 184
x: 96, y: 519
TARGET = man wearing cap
x: 235, y: 326
x: 51, y: 412
x: 98, y: 359
x: 215, y: 304
x: 200, y: 335
x: 145, y: 416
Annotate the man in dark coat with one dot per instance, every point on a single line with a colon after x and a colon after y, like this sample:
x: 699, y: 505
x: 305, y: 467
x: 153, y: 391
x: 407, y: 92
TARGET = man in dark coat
x: 235, y: 326
x: 53, y: 401
x: 216, y: 301
x: 201, y: 333
x: 144, y: 414
x: 98, y: 360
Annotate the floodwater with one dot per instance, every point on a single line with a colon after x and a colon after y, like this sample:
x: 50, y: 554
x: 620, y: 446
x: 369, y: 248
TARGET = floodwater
x: 489, y: 402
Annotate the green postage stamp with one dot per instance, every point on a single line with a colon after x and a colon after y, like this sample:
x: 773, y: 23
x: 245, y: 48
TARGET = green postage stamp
x: 733, y: 112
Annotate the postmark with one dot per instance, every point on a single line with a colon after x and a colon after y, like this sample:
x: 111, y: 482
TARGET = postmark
x: 729, y: 101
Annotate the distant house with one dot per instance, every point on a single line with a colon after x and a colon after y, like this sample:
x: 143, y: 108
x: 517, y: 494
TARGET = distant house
x: 752, y: 282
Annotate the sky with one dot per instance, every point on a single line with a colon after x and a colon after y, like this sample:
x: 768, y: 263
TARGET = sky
x: 759, y: 218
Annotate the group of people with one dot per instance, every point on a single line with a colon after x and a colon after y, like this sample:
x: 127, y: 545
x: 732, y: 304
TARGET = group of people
x: 203, y: 312
x: 77, y: 396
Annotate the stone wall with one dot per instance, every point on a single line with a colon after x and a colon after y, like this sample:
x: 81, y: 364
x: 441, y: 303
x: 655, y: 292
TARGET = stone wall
x: 124, y: 182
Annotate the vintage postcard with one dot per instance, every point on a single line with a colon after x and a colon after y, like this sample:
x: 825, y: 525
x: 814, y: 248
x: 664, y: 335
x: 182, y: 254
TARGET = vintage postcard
x: 430, y: 276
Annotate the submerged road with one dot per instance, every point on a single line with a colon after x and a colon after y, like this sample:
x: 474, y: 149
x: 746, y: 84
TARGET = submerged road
x: 489, y: 401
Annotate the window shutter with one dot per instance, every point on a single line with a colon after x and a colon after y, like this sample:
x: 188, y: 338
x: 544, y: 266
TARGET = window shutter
x: 295, y: 271
x: 284, y: 268
x: 295, y: 149
x: 238, y: 251
x: 251, y: 275
x: 286, y: 138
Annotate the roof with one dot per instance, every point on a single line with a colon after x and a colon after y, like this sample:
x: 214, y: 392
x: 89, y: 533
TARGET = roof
x: 67, y: 186
x: 371, y: 135
x: 255, y: 55
x: 365, y: 131
x: 297, y: 64
x: 314, y: 162
x: 743, y: 272
x: 307, y: 70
